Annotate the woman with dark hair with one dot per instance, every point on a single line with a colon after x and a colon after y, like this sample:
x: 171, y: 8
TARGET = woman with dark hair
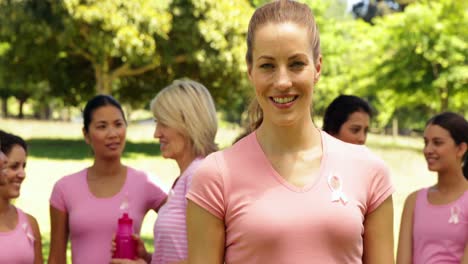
x: 347, y: 118
x: 434, y: 223
x: 85, y: 206
x: 20, y: 237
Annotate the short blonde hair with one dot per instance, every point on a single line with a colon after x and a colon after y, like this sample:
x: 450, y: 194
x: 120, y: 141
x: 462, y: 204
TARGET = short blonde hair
x: 188, y: 107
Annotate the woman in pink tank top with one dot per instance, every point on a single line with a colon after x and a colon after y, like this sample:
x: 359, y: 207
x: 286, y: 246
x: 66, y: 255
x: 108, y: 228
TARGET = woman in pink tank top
x: 186, y: 126
x: 434, y: 223
x: 20, y: 238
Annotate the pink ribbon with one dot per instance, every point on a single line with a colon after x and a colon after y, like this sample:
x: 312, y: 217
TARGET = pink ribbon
x: 454, y: 211
x: 336, y: 185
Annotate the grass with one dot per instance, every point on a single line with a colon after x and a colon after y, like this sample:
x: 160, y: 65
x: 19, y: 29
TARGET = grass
x: 57, y: 149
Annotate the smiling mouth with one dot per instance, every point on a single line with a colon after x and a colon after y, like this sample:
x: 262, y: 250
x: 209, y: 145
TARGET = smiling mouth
x: 283, y: 100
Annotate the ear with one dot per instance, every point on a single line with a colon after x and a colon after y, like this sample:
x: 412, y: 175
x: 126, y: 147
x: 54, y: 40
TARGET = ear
x: 462, y: 148
x: 86, y: 136
x: 318, y: 68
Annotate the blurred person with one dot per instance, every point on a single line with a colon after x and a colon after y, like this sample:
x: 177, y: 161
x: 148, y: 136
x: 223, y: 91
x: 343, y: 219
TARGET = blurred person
x: 434, y: 222
x: 85, y: 206
x: 20, y: 237
x: 186, y: 126
x: 347, y: 118
x: 288, y: 192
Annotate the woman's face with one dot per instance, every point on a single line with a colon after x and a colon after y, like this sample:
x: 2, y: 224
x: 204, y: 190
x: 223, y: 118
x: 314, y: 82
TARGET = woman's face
x: 3, y: 164
x: 283, y: 72
x: 355, y: 129
x: 14, y: 173
x: 172, y: 143
x: 440, y: 150
x: 107, y: 132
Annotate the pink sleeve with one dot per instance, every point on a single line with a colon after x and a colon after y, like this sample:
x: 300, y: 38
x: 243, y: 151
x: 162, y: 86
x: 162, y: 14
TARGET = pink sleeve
x: 57, y: 199
x: 207, y: 187
x: 155, y: 195
x: 380, y: 188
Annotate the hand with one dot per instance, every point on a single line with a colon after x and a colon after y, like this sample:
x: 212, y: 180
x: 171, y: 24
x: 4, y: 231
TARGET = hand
x: 140, y: 248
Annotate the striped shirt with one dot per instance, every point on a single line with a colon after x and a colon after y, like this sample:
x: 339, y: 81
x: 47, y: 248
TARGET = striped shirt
x: 170, y: 229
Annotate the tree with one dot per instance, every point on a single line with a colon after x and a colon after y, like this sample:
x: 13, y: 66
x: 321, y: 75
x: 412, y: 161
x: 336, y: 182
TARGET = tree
x: 424, y: 54
x: 119, y: 38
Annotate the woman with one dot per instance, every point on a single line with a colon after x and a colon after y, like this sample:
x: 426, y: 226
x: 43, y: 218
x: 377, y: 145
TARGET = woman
x: 444, y: 238
x: 347, y: 118
x: 186, y: 126
x: 3, y: 162
x: 20, y: 238
x: 289, y: 193
x: 85, y: 205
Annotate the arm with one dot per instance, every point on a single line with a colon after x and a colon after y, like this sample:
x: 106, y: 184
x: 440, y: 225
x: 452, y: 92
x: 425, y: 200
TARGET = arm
x: 206, y: 236
x: 378, y: 234
x: 59, y: 236
x: 38, y: 258
x: 464, y: 259
x: 405, y: 241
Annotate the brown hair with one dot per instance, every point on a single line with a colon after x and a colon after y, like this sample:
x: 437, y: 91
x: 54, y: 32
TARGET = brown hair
x: 280, y: 11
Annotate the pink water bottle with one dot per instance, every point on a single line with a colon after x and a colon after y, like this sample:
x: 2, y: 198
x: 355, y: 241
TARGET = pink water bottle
x: 125, y: 247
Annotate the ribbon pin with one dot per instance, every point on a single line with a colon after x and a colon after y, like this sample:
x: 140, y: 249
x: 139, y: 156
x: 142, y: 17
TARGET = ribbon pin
x: 454, y: 211
x: 125, y: 204
x: 336, y: 186
x: 28, y: 234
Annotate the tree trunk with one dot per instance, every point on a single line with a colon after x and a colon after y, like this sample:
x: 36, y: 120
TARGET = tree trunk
x: 5, y: 107
x: 395, y: 127
x: 20, y: 108
x: 444, y: 99
x: 103, y: 78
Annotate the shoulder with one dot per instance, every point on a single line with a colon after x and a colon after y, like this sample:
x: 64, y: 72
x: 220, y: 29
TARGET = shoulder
x: 410, y: 200
x: 72, y: 179
x: 136, y: 173
x: 351, y: 153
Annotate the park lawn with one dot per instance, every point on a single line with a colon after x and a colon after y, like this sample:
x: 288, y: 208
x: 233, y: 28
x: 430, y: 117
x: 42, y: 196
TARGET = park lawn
x: 57, y: 149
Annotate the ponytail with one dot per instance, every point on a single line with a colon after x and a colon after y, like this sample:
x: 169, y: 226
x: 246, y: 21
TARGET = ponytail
x: 255, y: 114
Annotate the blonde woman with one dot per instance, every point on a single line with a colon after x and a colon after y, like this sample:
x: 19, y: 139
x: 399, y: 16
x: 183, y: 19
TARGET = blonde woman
x: 186, y: 126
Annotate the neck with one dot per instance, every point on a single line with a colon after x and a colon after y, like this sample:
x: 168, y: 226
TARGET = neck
x: 451, y: 180
x: 184, y: 161
x: 4, y: 205
x: 107, y: 168
x: 294, y: 138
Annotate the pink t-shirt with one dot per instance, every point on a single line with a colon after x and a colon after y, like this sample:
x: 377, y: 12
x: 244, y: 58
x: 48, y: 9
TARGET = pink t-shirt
x: 170, y: 229
x: 443, y: 238
x: 93, y: 221
x: 269, y: 220
x: 17, y: 245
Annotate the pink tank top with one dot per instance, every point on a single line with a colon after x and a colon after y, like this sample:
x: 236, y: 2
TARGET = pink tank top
x: 440, y: 232
x: 17, y: 245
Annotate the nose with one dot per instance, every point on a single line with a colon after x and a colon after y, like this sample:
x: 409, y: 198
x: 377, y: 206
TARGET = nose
x: 362, y: 138
x: 21, y: 173
x: 283, y: 81
x: 157, y: 131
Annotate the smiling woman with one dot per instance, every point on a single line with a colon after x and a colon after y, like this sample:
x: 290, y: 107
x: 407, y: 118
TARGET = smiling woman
x: 280, y: 194
x: 86, y: 205
x: 20, y: 238
x: 444, y: 239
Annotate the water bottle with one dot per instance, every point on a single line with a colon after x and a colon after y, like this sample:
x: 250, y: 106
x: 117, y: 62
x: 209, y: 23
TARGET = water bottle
x: 125, y: 247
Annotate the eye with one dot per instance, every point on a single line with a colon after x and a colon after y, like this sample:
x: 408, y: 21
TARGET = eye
x: 297, y: 65
x: 267, y: 66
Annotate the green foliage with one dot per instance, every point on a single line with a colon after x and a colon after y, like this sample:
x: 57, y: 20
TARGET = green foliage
x: 424, y: 56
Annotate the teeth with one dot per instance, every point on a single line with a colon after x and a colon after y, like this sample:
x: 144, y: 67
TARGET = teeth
x: 283, y: 100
